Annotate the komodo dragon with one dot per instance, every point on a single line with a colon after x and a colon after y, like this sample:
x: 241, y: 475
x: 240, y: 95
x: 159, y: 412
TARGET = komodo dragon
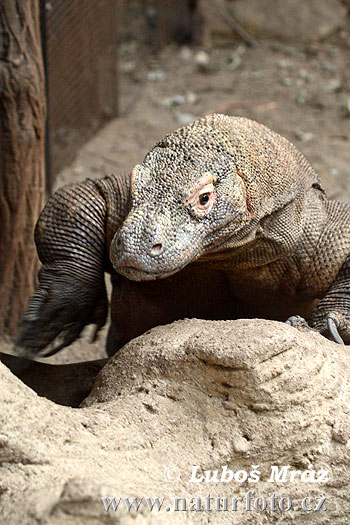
x: 224, y: 219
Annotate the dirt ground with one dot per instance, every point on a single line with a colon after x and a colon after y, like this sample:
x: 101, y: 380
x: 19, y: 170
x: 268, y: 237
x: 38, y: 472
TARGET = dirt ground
x: 302, y: 92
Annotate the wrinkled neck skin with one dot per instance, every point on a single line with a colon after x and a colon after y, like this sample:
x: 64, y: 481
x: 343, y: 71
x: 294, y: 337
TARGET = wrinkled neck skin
x: 293, y: 230
x: 260, y: 239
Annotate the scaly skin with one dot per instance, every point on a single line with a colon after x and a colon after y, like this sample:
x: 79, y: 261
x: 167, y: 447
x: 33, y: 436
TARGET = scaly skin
x: 223, y: 219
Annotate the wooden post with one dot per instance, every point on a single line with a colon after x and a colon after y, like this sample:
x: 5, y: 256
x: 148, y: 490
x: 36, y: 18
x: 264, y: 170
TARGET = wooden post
x: 22, y: 179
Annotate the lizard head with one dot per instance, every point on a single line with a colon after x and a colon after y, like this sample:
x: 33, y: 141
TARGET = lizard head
x: 184, y: 203
x: 210, y: 187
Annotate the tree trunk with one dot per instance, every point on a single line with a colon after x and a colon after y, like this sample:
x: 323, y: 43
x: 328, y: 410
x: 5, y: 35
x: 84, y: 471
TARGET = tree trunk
x: 22, y: 125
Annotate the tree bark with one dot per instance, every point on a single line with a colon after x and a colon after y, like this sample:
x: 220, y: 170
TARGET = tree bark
x: 22, y: 125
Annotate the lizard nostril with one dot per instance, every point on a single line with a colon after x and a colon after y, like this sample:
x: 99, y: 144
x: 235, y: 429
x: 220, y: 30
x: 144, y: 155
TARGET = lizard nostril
x: 157, y: 249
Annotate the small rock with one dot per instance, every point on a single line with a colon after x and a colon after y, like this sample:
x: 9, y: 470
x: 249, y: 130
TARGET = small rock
x: 128, y: 48
x: 301, y: 97
x: 304, y: 136
x: 334, y: 172
x: 340, y: 434
x: 185, y: 54
x: 202, y: 59
x: 234, y: 63
x: 191, y: 97
x: 259, y: 407
x: 347, y: 107
x: 176, y: 100
x: 286, y: 81
x: 259, y: 74
x: 278, y: 46
x: 229, y: 405
x: 330, y: 68
x: 150, y: 407
x: 317, y: 101
x: 185, y: 118
x: 156, y: 76
x: 127, y: 67
x: 144, y: 388
x: 284, y: 63
x: 333, y: 86
x: 304, y: 75
x: 332, y: 51
x: 240, y: 444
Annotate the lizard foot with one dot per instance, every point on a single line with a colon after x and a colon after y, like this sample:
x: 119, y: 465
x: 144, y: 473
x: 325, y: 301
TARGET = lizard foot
x: 334, y: 323
x: 299, y: 322
x: 60, y: 308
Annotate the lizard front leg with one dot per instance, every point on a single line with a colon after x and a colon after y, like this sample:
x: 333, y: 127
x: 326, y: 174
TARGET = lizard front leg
x: 71, y: 242
x: 331, y: 317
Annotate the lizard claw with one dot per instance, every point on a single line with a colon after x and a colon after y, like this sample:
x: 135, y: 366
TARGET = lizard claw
x: 333, y: 323
x: 61, y: 307
x: 71, y: 335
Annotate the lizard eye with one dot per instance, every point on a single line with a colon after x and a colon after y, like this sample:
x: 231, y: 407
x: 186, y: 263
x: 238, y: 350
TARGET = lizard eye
x: 204, y: 199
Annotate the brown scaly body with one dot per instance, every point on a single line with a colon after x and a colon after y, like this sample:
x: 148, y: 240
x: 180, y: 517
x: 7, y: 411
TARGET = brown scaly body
x: 223, y: 219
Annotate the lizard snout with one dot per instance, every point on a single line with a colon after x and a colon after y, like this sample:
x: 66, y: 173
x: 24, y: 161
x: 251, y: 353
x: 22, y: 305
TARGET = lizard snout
x: 138, y: 249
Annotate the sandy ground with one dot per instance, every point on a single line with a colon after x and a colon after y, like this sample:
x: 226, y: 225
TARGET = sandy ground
x: 302, y: 92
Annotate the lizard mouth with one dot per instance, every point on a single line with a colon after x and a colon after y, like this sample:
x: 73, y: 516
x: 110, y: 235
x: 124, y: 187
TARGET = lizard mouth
x: 130, y: 267
x: 135, y: 274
